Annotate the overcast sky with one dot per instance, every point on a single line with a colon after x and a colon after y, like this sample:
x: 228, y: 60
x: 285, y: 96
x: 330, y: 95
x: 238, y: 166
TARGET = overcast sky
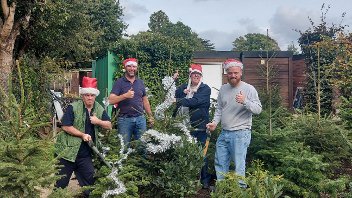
x: 222, y: 21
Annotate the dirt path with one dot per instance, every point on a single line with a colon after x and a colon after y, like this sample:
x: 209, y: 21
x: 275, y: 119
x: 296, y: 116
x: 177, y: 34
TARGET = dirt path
x: 73, y: 186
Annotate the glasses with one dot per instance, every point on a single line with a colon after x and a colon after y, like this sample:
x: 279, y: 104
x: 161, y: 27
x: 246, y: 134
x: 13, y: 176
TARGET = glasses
x: 196, y: 74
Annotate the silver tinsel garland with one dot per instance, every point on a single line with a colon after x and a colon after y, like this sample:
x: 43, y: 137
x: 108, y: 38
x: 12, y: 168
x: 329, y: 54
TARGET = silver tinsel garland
x: 151, y: 136
x: 170, y: 87
x: 157, y: 142
x: 120, y: 187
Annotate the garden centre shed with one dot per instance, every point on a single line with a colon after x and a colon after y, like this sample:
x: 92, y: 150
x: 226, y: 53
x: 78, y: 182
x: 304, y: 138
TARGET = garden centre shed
x: 287, y: 70
x: 103, y: 68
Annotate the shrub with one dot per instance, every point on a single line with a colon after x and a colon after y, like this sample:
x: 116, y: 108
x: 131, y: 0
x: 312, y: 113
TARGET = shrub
x: 27, y: 161
x: 260, y: 183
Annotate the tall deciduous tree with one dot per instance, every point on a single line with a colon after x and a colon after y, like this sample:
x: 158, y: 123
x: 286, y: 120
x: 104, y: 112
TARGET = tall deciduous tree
x: 15, y: 15
x: 157, y: 21
x: 312, y: 41
x: 291, y: 47
x: 255, y: 42
x: 74, y: 30
x: 65, y: 29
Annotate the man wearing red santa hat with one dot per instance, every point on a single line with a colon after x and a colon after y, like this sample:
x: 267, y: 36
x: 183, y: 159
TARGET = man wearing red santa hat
x: 82, y: 121
x: 193, y: 100
x: 237, y: 102
x: 130, y: 94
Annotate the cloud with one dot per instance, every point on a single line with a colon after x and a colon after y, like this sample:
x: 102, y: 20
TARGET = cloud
x: 222, y: 40
x: 285, y: 22
x: 132, y: 10
x: 205, y: 0
x: 249, y: 25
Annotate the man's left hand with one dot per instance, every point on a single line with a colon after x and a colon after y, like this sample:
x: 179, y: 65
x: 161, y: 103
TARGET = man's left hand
x: 240, y: 97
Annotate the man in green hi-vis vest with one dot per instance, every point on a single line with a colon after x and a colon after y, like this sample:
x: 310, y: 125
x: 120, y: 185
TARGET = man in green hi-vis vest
x: 81, y: 123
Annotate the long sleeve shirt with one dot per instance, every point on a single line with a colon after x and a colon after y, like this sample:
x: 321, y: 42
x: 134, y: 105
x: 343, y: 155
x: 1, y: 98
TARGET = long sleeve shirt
x: 234, y: 115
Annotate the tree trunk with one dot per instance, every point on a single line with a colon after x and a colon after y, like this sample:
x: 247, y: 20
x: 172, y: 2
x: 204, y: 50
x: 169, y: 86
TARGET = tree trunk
x: 9, y: 30
x: 6, y: 63
x: 7, y: 41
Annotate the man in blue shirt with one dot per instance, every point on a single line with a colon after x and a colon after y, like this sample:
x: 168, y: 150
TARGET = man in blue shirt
x: 130, y: 95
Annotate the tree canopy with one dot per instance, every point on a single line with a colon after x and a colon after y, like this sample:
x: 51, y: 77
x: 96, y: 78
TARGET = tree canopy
x: 255, y: 42
x: 61, y: 29
x: 75, y: 30
x: 159, y: 22
x: 317, y: 44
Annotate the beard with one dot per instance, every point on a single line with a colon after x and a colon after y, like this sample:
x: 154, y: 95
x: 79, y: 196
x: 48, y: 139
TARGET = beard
x: 131, y: 73
x: 234, y: 81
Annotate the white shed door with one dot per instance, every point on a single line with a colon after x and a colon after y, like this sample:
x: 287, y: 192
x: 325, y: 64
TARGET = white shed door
x: 212, y: 76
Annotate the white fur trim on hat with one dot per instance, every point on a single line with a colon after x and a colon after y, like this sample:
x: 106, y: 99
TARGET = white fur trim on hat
x: 89, y: 91
x: 232, y: 63
x: 133, y: 63
x: 195, y: 70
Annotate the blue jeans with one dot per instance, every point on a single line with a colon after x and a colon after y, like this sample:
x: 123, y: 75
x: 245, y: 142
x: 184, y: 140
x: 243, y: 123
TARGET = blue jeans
x: 204, y: 176
x: 131, y: 126
x: 232, y: 145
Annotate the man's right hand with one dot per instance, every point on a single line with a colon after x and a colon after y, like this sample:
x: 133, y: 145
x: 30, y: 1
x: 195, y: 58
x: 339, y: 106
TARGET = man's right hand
x: 211, y: 126
x: 129, y: 93
x: 86, y: 137
x: 175, y: 76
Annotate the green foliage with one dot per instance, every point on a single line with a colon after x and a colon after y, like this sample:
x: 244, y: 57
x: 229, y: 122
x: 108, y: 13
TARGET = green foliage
x: 318, y: 48
x: 304, y: 150
x: 27, y: 161
x: 157, y: 21
x: 173, y: 173
x: 74, y: 30
x: 291, y: 47
x: 255, y: 42
x: 260, y: 183
x: 346, y: 111
x: 131, y: 174
x: 158, y: 55
x: 160, y: 23
x: 62, y: 193
x: 326, y: 136
x: 342, y: 71
x: 35, y: 77
x: 302, y: 169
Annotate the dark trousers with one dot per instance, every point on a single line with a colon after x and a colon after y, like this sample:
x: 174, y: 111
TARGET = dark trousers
x: 201, y: 138
x: 84, y: 171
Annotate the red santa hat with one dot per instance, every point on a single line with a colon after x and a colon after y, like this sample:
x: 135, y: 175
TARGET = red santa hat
x: 196, y: 68
x: 130, y: 61
x: 89, y: 86
x: 232, y: 63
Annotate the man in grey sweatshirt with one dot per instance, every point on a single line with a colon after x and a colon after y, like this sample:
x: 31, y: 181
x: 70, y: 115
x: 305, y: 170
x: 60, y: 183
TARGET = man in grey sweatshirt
x: 237, y: 101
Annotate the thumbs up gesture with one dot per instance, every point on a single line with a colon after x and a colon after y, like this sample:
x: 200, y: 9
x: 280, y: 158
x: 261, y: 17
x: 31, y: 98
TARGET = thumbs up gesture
x: 240, y: 97
x: 129, y: 93
x: 94, y: 120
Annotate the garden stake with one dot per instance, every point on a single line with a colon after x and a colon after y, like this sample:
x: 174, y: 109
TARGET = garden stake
x: 206, y: 142
x: 94, y: 148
